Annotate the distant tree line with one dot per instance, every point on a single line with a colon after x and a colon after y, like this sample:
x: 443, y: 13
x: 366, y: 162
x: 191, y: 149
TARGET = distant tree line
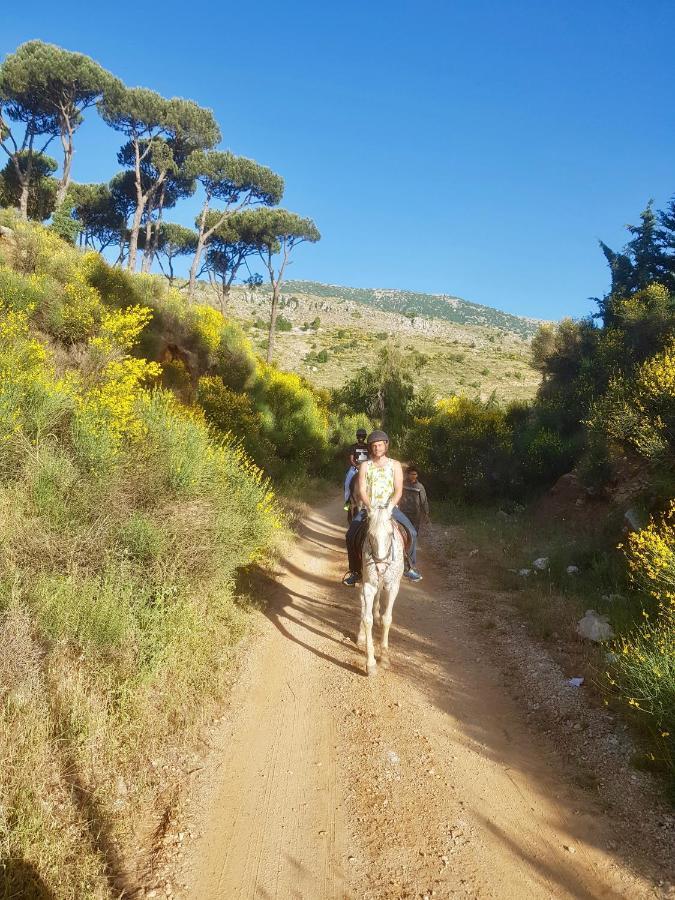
x: 169, y: 152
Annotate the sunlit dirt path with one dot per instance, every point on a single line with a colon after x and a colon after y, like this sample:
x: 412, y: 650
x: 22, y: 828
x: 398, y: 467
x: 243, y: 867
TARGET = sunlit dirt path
x: 425, y: 780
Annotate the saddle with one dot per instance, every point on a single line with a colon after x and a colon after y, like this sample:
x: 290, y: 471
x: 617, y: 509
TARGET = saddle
x: 363, y: 531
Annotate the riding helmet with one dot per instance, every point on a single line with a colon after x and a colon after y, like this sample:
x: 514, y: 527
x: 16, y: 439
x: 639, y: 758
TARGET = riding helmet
x: 361, y: 433
x: 378, y: 436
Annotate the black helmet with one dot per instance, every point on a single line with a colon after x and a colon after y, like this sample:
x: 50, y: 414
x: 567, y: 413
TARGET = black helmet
x: 378, y: 436
x: 361, y: 433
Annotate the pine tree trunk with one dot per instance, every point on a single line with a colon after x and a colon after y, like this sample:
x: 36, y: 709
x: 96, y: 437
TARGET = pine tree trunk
x: 148, y: 251
x: 67, y: 142
x: 273, y: 322
x: 194, y: 267
x: 133, y: 238
x: 23, y: 199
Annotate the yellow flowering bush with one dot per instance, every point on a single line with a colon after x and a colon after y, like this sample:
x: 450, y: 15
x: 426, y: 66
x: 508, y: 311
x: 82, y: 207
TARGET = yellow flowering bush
x: 644, y: 666
x: 108, y: 403
x: 235, y: 414
x: 638, y: 412
x: 650, y: 553
x: 291, y: 415
x: 32, y: 399
x: 208, y: 324
x: 464, y: 447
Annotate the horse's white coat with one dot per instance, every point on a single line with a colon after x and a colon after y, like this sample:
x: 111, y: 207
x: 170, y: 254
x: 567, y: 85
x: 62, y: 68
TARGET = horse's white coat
x: 381, y: 573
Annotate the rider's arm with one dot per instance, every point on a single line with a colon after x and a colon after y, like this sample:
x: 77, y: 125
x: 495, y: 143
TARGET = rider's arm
x: 362, y: 489
x: 398, y: 484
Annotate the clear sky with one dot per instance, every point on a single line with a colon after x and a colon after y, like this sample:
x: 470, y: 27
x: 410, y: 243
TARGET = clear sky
x: 475, y: 148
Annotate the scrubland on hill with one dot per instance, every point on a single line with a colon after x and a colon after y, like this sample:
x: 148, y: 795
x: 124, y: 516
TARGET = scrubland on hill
x: 327, y: 338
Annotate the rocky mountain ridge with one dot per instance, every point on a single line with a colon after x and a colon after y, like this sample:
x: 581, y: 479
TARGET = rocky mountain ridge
x: 415, y: 305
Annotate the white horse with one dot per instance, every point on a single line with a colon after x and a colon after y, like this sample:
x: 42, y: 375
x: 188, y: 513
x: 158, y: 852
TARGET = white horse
x: 381, y: 573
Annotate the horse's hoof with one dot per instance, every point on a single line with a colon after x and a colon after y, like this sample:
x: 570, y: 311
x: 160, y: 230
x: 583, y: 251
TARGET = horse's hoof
x: 371, y: 669
x: 384, y: 660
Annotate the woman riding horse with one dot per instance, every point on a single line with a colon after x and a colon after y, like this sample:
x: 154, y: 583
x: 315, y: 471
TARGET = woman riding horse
x: 379, y: 484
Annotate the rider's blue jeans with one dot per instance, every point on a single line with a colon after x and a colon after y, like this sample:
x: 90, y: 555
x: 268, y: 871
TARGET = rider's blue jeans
x: 354, y: 527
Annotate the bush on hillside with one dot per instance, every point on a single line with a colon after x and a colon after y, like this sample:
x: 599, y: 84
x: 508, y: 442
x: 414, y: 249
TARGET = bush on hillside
x: 235, y: 415
x: 293, y: 418
x: 123, y: 523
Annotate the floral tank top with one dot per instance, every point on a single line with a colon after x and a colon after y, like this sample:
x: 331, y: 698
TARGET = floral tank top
x: 380, y: 483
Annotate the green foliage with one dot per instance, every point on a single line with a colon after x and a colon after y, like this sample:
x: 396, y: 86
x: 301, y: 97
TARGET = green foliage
x: 100, y: 212
x: 42, y: 189
x: 464, y: 449
x: 64, y: 224
x: 284, y: 324
x: 236, y: 415
x: 293, y: 418
x: 124, y: 519
x: 386, y: 393
x: 227, y: 177
x: 174, y: 240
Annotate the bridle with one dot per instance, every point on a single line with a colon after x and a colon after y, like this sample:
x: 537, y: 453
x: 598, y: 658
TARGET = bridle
x: 388, y: 559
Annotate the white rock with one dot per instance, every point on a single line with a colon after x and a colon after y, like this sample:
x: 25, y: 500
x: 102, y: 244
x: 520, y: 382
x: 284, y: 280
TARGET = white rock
x: 572, y: 570
x: 541, y: 564
x: 633, y: 519
x: 595, y: 627
x: 525, y: 572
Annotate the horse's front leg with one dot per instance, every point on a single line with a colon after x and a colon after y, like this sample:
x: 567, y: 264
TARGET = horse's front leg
x: 368, y: 593
x: 390, y: 594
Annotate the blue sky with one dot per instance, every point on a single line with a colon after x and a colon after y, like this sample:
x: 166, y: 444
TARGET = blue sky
x: 476, y: 148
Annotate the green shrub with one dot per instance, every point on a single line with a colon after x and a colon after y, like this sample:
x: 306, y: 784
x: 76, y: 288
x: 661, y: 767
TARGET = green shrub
x: 284, y: 324
x: 464, y: 449
x: 292, y: 417
x: 235, y: 414
x: 141, y: 539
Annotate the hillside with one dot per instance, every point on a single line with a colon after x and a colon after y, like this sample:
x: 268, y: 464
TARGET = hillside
x: 413, y: 304
x: 331, y: 334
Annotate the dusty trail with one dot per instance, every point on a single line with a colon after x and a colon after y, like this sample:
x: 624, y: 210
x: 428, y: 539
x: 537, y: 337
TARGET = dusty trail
x: 423, y: 781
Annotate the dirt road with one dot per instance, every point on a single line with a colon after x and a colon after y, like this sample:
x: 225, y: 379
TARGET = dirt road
x: 424, y: 781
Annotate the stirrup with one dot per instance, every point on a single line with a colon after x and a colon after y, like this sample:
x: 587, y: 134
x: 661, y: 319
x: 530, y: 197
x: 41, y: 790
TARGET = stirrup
x: 351, y: 579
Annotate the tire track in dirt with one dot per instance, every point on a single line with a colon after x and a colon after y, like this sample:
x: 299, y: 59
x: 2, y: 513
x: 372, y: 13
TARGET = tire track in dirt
x: 424, y: 781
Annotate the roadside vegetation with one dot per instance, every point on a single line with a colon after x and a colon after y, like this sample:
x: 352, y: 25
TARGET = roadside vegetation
x: 124, y: 519
x: 139, y: 434
x: 605, y: 412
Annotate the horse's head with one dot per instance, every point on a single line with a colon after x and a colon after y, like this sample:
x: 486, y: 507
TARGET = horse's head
x: 380, y: 533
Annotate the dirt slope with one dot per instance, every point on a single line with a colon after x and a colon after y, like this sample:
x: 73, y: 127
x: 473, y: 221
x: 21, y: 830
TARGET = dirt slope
x: 425, y: 781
